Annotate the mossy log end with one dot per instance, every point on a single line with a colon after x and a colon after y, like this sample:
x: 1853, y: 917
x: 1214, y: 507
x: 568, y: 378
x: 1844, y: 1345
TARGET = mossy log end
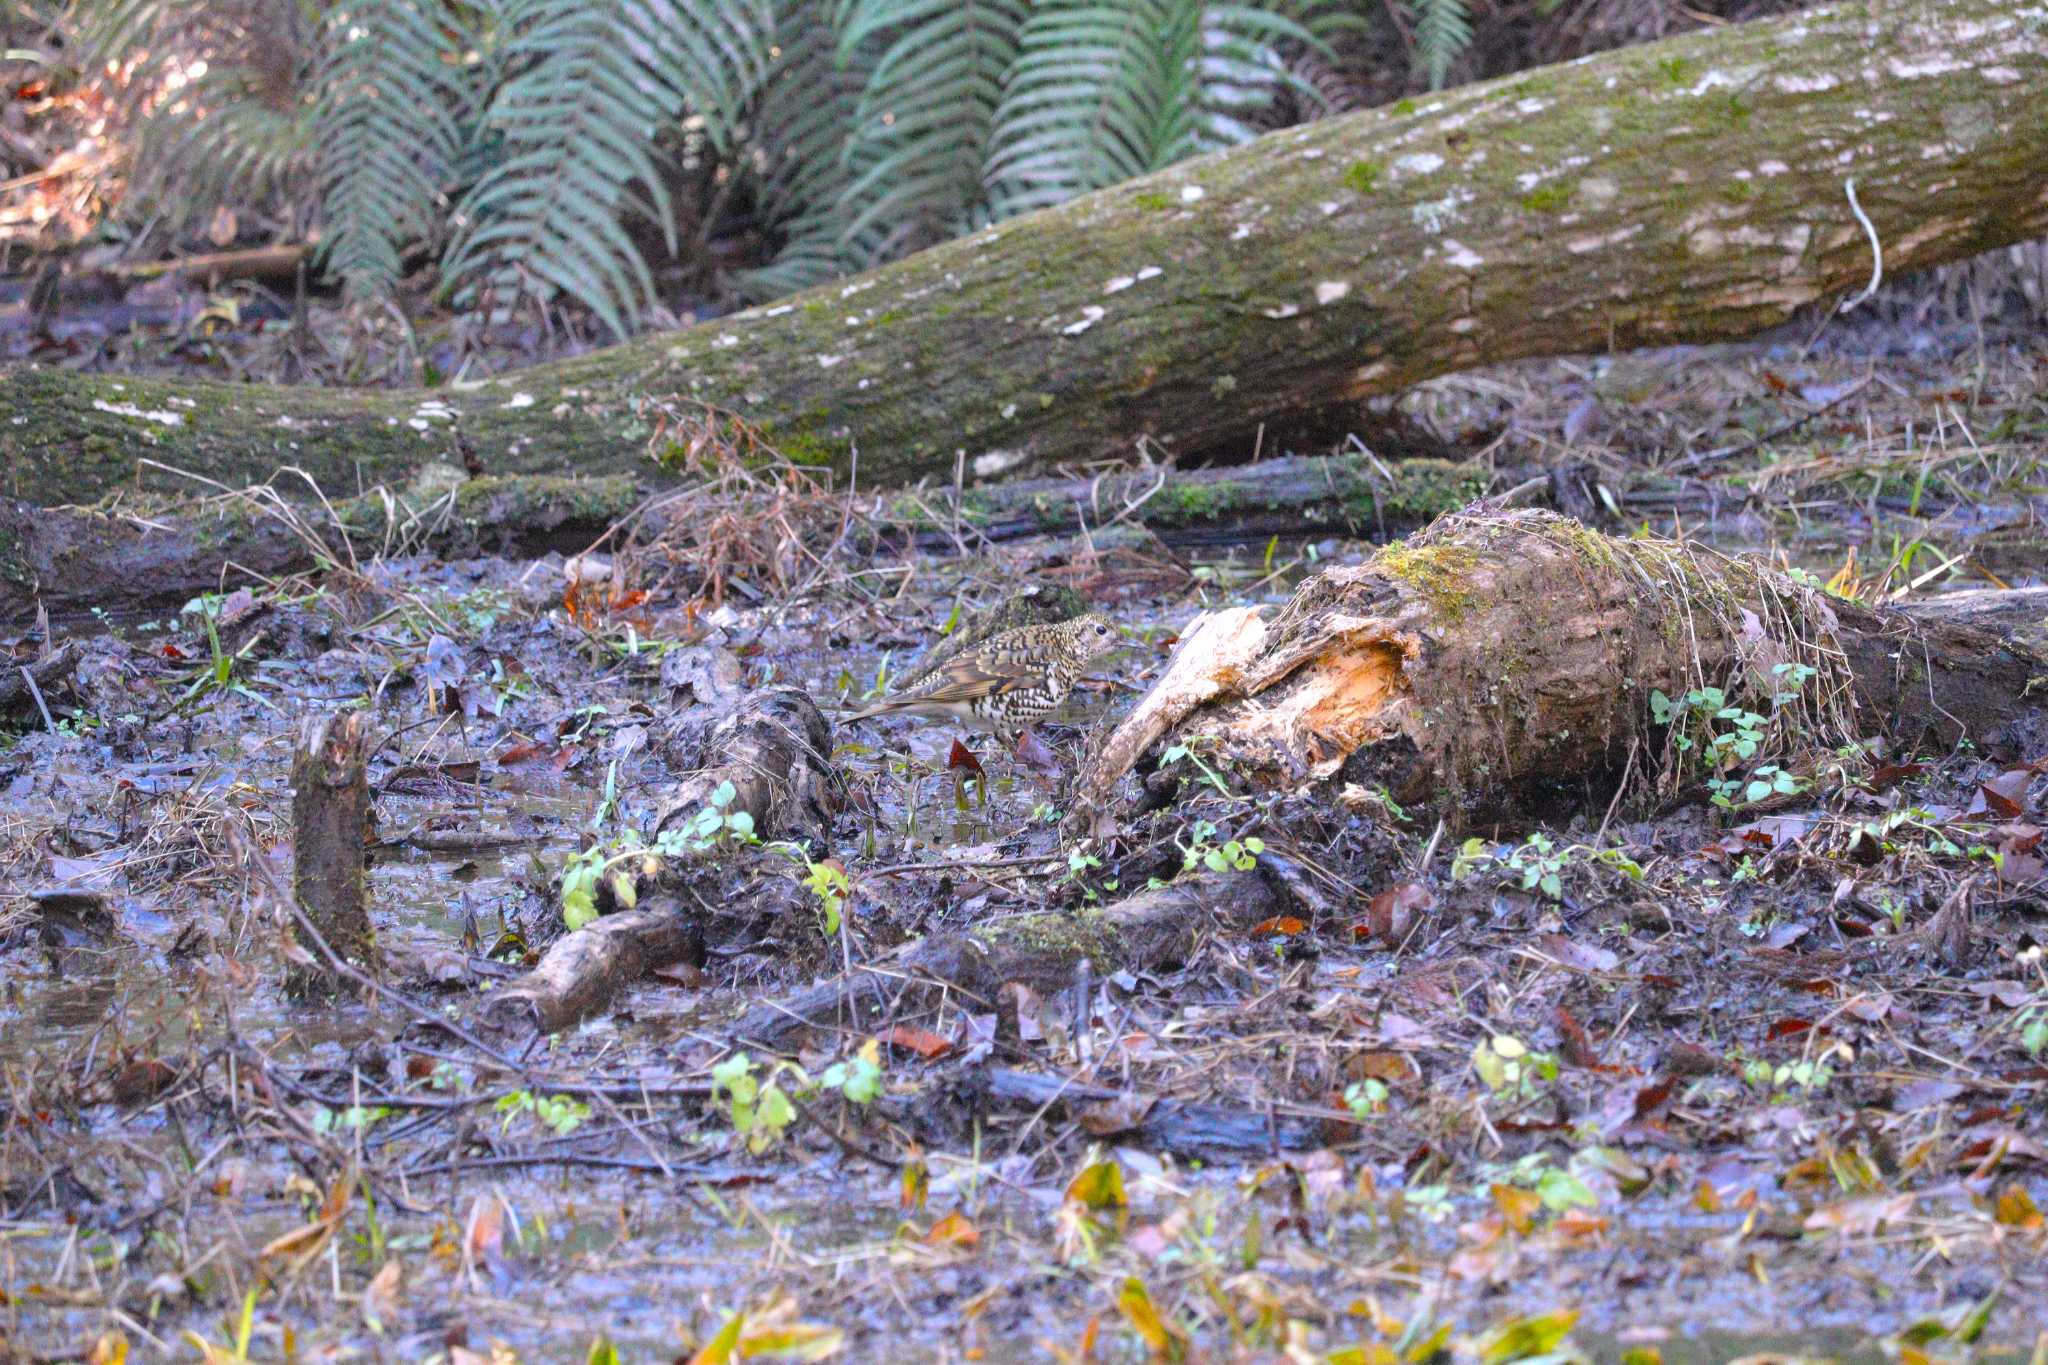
x: 1687, y: 190
x: 1499, y: 659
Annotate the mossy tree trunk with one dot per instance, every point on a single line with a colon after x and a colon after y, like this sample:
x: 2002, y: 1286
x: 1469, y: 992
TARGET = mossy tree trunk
x: 1688, y: 190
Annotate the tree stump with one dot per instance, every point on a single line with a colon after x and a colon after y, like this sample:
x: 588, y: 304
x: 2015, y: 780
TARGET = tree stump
x: 330, y: 828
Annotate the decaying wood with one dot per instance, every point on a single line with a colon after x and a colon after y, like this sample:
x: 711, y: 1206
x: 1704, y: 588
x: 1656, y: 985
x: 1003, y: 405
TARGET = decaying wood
x: 1687, y: 190
x: 274, y: 264
x: 581, y: 971
x: 69, y: 559
x: 45, y: 673
x: 2017, y: 614
x: 140, y: 556
x: 330, y: 838
x: 1147, y: 932
x: 774, y: 749
x: 1504, y: 655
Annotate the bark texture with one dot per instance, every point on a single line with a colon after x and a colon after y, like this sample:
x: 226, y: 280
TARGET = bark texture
x: 1346, y: 494
x: 581, y: 971
x: 1498, y: 657
x: 330, y: 836
x: 1687, y: 190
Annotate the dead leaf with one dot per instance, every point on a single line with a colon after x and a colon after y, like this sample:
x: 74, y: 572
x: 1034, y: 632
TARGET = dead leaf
x: 1029, y: 1009
x: 954, y: 1230
x: 1578, y: 1049
x: 1099, y: 1186
x: 380, y: 1305
x: 1033, y: 753
x: 1586, y: 957
x: 2004, y: 795
x: 1391, y: 915
x: 1862, y: 1215
x: 1280, y: 926
x: 483, y: 1233
x: 962, y: 759
x: 2016, y: 1208
x: 1165, y: 1339
x: 1392, y: 1067
x: 95, y: 872
x: 923, y: 1042
x: 1888, y: 775
x: 1518, y: 1206
x: 1921, y: 1094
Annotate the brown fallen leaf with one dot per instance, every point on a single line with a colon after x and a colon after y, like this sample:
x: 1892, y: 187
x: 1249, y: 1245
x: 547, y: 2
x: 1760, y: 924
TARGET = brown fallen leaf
x: 954, y: 1230
x: 1280, y: 926
x: 380, y: 1302
x: 923, y: 1042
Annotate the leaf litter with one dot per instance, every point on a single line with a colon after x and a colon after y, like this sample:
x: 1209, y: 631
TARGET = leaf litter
x: 1675, y: 1083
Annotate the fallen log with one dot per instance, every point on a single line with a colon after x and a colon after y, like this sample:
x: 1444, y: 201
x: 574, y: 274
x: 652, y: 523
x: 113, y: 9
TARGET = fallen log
x: 70, y: 559
x: 1146, y: 932
x: 773, y: 750
x: 1292, y: 497
x: 581, y: 971
x: 2016, y: 614
x: 1499, y: 659
x: 1687, y: 190
x: 137, y: 556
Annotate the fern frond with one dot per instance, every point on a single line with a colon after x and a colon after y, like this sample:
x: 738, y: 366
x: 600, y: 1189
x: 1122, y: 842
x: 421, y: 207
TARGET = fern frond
x: 1443, y: 30
x: 922, y: 125
x: 215, y: 93
x: 596, y: 81
x: 802, y: 124
x: 388, y: 137
x: 1102, y: 92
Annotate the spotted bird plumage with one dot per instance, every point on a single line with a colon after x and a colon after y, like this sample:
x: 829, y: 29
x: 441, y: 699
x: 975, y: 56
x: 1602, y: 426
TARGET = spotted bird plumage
x: 1008, y: 682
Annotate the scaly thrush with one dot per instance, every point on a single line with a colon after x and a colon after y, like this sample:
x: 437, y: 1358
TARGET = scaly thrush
x: 1007, y: 682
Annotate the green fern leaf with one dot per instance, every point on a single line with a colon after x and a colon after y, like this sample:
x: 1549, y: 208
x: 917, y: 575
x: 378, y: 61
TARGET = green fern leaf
x: 1103, y: 92
x: 1443, y: 30
x: 215, y: 92
x: 922, y: 124
x: 593, y: 86
x: 388, y: 137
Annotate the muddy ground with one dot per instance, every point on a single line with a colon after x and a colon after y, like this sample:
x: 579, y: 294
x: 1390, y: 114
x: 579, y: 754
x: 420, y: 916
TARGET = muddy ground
x: 1645, y: 1078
